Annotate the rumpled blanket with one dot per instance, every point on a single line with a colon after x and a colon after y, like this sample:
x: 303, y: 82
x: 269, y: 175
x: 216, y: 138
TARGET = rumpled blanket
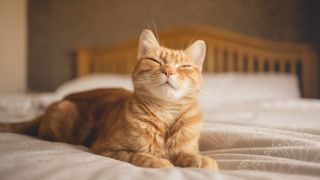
x: 264, y: 140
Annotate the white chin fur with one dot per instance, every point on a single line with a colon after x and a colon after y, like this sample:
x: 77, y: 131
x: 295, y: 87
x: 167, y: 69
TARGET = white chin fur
x: 170, y: 92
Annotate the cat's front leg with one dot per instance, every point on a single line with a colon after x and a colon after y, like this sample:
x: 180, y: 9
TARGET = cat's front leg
x: 185, y: 159
x: 138, y: 159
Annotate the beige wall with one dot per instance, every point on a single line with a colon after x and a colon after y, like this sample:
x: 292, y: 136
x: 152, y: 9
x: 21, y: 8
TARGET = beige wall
x: 58, y: 27
x: 12, y: 45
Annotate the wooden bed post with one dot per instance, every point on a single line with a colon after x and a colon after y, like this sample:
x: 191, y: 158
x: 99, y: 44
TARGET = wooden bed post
x: 83, y: 63
x: 310, y: 79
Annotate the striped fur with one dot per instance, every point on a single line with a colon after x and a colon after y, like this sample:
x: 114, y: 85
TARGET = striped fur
x: 157, y: 125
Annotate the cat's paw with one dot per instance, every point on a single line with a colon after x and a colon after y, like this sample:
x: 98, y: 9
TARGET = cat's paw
x: 150, y: 161
x: 161, y: 163
x: 209, y: 163
x: 196, y: 160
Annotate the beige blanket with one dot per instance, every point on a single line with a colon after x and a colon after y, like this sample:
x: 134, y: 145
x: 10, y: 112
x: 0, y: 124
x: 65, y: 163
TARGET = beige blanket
x: 278, y: 140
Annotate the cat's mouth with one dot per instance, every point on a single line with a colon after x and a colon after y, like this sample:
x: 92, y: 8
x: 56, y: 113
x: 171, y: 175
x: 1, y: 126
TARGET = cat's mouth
x: 167, y: 83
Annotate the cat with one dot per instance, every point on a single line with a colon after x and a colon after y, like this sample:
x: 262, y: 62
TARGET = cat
x: 157, y: 125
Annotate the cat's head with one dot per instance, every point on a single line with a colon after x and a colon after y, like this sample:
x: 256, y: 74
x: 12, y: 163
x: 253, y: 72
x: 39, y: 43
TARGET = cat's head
x: 166, y: 73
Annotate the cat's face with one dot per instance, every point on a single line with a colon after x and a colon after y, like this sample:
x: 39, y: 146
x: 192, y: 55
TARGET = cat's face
x: 165, y: 73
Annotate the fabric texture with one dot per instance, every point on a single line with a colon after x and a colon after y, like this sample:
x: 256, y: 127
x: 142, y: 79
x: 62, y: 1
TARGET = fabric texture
x: 260, y: 140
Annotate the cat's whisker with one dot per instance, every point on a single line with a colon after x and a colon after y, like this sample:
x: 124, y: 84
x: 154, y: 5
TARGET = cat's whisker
x: 192, y: 39
x: 155, y: 29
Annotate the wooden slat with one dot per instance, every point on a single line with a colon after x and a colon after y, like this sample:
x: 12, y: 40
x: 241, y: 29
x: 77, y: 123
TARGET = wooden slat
x: 261, y: 61
x: 220, y: 61
x: 210, y: 59
x: 282, y: 65
x: 83, y: 64
x: 240, y: 61
x: 293, y: 68
x: 272, y: 65
x: 309, y: 75
x: 250, y: 63
x: 230, y: 64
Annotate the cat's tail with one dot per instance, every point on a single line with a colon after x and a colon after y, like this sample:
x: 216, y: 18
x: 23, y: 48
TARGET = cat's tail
x: 28, y: 127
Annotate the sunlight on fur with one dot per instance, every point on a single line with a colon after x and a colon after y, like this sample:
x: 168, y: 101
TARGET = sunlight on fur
x: 165, y: 73
x: 158, y: 125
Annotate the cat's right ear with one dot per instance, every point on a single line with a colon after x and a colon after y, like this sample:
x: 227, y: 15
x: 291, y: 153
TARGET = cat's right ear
x: 147, y: 42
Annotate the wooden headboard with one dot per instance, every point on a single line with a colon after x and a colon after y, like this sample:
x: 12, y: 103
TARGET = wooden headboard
x: 226, y: 52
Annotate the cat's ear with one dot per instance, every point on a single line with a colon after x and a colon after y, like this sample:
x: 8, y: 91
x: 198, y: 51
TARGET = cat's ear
x: 147, y: 42
x: 197, y: 52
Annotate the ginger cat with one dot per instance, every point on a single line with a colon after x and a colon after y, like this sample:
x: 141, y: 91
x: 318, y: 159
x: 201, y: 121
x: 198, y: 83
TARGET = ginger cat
x: 157, y: 125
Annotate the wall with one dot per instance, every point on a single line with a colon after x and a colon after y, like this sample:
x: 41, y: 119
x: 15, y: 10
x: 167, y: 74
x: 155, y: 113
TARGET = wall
x: 13, y: 45
x: 58, y: 27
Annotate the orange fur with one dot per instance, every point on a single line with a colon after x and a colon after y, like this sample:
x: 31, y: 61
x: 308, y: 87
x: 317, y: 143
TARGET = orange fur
x: 157, y: 125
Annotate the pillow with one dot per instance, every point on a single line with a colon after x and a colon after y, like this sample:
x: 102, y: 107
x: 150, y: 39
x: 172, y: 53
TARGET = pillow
x: 230, y: 88
x: 92, y: 81
x: 18, y: 106
x: 218, y: 89
x: 95, y: 81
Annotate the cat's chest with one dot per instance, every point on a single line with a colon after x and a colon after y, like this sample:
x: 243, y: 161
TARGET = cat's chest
x: 165, y: 141
x: 168, y: 117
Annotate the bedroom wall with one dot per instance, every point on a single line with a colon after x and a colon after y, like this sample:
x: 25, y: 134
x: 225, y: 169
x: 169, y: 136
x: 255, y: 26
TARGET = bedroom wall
x: 13, y: 21
x: 58, y: 27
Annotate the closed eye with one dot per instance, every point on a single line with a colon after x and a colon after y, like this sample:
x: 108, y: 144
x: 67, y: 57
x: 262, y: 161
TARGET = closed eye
x: 185, y: 66
x: 154, y: 60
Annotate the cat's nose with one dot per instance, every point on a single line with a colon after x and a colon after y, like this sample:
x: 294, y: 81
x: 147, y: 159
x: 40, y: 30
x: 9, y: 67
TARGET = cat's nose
x: 167, y: 71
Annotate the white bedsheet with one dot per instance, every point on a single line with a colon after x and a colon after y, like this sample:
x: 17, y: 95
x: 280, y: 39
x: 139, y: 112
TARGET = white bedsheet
x: 278, y: 140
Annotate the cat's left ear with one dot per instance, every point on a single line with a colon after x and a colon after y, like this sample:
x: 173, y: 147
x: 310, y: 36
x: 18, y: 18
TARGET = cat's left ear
x: 197, y: 52
x: 147, y: 42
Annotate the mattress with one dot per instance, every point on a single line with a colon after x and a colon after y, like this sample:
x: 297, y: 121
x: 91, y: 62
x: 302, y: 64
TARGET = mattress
x: 251, y: 140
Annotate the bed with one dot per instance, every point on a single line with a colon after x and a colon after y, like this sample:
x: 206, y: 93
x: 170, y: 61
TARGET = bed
x: 261, y: 118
